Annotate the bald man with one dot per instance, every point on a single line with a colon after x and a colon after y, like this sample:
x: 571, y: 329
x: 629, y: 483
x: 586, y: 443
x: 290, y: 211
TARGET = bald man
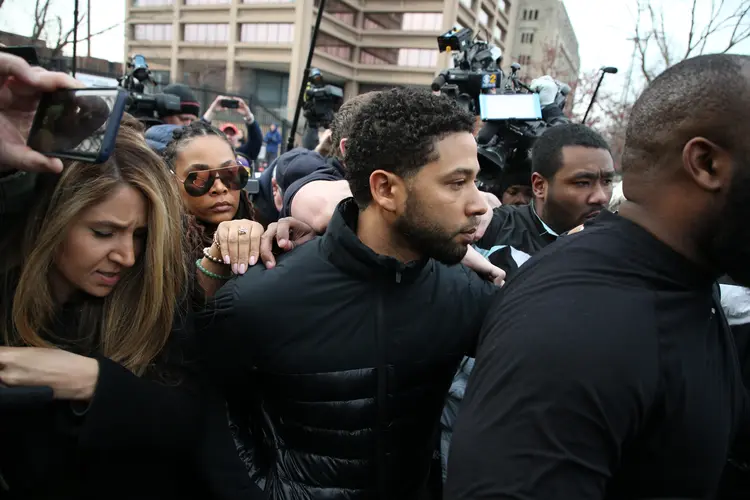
x: 606, y: 369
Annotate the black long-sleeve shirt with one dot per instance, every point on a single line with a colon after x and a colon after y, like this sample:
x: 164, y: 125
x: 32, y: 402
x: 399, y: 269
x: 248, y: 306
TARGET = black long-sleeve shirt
x: 606, y: 370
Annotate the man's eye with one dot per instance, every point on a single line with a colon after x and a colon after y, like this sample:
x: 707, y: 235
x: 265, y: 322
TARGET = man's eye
x: 582, y: 184
x: 101, y: 234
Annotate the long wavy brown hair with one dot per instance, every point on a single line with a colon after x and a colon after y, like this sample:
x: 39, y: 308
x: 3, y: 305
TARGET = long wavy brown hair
x: 132, y: 324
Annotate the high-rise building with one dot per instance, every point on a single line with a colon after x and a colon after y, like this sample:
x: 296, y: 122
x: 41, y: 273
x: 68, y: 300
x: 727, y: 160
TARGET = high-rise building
x: 544, y: 41
x: 261, y: 46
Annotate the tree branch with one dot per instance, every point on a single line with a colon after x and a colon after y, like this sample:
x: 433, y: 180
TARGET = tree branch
x: 743, y: 35
x: 692, y: 30
x: 40, y: 19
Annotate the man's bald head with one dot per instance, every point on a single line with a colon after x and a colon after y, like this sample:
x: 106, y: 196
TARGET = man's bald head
x: 705, y: 96
x: 344, y: 119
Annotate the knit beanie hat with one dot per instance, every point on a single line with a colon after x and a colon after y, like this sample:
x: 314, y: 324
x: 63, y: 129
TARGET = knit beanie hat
x: 188, y: 103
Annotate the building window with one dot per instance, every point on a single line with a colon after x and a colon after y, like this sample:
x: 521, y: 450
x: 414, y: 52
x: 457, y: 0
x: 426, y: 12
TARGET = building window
x: 525, y: 14
x: 527, y: 38
x: 498, y: 33
x: 525, y: 60
x: 536, y: 15
x: 266, y: 33
x: 466, y: 3
x: 334, y: 46
x: 206, y: 2
x: 267, y: 1
x: 366, y: 57
x: 151, y: 3
x: 502, y: 5
x: 152, y: 32
x: 414, y: 21
x: 345, y: 17
x: 212, y: 33
x: 484, y: 17
x: 418, y: 58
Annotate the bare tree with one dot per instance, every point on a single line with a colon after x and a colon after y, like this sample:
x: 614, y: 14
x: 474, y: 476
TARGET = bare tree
x: 609, y: 114
x: 50, y: 29
x: 656, y: 50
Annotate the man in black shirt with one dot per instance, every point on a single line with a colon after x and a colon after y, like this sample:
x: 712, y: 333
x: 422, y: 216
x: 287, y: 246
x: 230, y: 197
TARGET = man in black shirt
x: 607, y: 369
x: 572, y: 171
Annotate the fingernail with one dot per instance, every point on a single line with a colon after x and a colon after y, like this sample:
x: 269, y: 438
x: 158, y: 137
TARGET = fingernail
x: 226, y: 259
x: 253, y: 260
x: 269, y: 264
x: 243, y: 268
x: 234, y: 268
x: 282, y: 243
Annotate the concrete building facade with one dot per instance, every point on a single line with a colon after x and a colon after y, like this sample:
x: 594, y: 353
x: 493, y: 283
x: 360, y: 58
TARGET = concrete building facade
x: 544, y: 40
x: 261, y: 46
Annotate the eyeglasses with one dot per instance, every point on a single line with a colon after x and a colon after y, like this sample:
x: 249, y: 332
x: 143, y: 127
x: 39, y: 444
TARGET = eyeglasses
x: 199, y: 182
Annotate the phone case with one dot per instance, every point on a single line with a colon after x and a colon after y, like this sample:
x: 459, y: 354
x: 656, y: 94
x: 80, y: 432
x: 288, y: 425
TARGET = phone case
x: 110, y: 134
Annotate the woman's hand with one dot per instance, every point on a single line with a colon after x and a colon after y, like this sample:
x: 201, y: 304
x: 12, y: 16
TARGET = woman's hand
x: 238, y: 241
x: 69, y: 375
x: 21, y: 86
x: 288, y: 233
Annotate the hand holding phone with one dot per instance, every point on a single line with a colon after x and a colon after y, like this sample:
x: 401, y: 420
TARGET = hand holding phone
x: 21, y: 88
x: 230, y: 103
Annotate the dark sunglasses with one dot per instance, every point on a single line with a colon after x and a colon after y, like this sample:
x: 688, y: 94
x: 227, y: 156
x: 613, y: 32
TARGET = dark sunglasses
x: 199, y: 182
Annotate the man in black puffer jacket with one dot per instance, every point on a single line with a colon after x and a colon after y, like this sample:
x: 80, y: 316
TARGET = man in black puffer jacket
x: 335, y: 363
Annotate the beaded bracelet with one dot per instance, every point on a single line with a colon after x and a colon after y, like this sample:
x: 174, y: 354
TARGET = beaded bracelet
x: 209, y: 273
x: 207, y: 254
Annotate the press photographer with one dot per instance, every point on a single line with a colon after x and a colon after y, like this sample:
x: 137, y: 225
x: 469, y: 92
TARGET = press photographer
x: 175, y: 106
x: 321, y: 103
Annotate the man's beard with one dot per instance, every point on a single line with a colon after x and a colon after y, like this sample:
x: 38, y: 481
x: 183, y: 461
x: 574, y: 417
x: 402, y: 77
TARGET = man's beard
x: 427, y: 237
x: 728, y: 248
x: 559, y: 216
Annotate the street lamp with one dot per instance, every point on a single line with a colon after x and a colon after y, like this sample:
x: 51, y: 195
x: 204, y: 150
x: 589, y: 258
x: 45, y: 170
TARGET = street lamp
x: 606, y: 69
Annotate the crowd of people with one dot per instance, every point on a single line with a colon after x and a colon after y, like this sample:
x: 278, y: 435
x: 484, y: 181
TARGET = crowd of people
x: 371, y: 325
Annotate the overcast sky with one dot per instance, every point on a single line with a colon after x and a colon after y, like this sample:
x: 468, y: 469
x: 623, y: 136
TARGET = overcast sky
x: 602, y: 27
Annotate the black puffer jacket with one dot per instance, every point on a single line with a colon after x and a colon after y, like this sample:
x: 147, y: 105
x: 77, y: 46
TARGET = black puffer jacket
x: 336, y: 364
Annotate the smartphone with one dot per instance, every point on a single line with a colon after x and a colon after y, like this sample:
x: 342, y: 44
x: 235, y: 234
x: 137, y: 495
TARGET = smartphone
x: 230, y: 103
x: 509, y: 107
x: 78, y: 124
x: 26, y: 52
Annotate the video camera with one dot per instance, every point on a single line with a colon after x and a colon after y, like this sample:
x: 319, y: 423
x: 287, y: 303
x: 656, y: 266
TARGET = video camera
x: 514, y: 121
x: 476, y: 68
x: 321, y: 101
x: 148, y: 108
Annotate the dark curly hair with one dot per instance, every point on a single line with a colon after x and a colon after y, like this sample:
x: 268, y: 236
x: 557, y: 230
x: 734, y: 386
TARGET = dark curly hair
x: 397, y: 133
x: 199, y: 233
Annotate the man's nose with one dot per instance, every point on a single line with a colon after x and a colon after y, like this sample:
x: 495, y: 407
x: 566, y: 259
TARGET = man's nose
x: 478, y: 204
x: 601, y: 195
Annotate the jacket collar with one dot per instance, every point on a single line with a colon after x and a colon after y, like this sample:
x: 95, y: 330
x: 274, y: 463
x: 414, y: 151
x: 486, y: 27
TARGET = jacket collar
x: 546, y: 233
x: 347, y: 252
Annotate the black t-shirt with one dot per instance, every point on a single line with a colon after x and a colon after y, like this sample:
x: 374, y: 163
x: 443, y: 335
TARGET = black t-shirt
x: 605, y: 370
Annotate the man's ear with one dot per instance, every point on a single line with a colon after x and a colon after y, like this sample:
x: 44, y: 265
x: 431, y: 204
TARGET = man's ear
x: 388, y: 190
x: 538, y: 185
x: 342, y: 146
x: 707, y: 164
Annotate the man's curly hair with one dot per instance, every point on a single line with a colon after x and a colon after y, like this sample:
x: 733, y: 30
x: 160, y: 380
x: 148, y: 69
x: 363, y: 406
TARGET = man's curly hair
x: 397, y: 131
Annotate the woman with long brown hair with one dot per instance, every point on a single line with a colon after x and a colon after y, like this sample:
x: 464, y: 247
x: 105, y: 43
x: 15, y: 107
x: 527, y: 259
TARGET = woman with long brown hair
x: 93, y: 306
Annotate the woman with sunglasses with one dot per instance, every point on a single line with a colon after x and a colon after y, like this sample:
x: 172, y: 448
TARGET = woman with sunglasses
x: 211, y: 181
